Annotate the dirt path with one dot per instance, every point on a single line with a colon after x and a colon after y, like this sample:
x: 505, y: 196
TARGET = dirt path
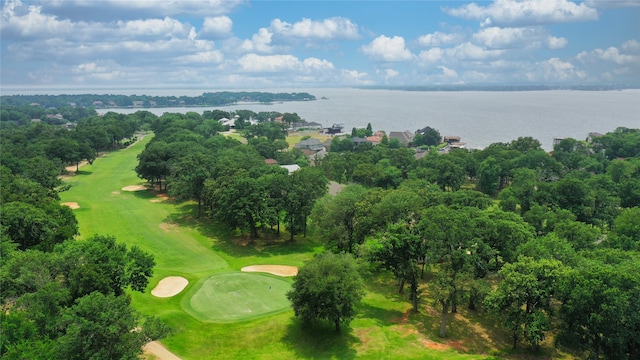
x: 160, y: 352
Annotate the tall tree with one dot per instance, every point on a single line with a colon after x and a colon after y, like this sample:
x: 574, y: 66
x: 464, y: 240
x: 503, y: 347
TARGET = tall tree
x: 399, y: 249
x: 523, y: 298
x: 306, y: 186
x: 329, y: 287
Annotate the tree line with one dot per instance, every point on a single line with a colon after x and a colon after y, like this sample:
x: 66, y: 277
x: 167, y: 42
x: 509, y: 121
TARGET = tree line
x: 63, y: 299
x: 544, y: 242
x: 91, y: 101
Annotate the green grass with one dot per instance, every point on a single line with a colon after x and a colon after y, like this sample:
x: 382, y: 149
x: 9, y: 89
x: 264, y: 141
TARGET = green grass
x: 205, y: 253
x: 237, y: 296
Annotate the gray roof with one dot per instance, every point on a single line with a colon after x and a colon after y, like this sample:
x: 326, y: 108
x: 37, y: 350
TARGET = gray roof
x: 405, y: 137
x: 310, y: 143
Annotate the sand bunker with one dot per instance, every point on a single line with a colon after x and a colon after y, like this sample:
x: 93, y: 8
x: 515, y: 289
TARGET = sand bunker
x: 170, y: 286
x: 280, y: 270
x: 72, y: 205
x: 134, y: 188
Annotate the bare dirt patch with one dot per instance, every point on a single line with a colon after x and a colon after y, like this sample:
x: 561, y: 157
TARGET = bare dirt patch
x: 115, y: 192
x: 72, y: 205
x: 280, y: 270
x: 170, y: 286
x: 134, y: 188
x: 167, y: 226
x: 158, y: 351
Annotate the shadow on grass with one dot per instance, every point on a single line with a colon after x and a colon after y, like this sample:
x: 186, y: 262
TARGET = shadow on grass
x: 320, y: 341
x: 379, y: 316
x: 144, y: 194
x: 233, y: 243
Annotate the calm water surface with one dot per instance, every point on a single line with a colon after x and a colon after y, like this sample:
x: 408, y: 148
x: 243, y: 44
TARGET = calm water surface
x: 479, y: 117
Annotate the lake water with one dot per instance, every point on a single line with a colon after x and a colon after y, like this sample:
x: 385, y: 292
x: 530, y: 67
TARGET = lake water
x: 480, y: 118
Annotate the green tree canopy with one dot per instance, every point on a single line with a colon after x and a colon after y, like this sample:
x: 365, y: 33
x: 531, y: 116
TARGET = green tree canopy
x: 329, y: 287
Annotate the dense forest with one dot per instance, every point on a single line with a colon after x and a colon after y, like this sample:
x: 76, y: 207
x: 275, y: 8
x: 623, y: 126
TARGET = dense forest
x: 547, y: 244
x: 145, y: 101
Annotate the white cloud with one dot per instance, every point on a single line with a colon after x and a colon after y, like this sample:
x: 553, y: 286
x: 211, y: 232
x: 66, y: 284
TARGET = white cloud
x: 268, y: 63
x: 555, y: 43
x: 154, y: 28
x: 631, y: 46
x: 317, y: 64
x: 555, y: 70
x: 438, y: 39
x: 469, y: 51
x: 354, y: 77
x: 431, y: 56
x: 614, y: 55
x: 526, y: 12
x: 260, y: 42
x: 384, y: 48
x: 30, y: 22
x: 204, y: 57
x: 450, y: 73
x: 331, y: 28
x: 216, y: 27
x: 517, y: 37
x: 608, y: 4
x: 104, y: 10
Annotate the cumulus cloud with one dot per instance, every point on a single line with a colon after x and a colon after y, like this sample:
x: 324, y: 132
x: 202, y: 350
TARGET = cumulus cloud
x: 260, y: 42
x: 555, y: 43
x: 439, y: 38
x: 526, y: 12
x: 317, y: 64
x: 204, y: 57
x: 153, y: 28
x: 603, y: 4
x: 217, y: 27
x: 331, y: 28
x: 282, y: 63
x: 105, y: 10
x: 388, y: 49
x: 517, y: 37
x: 30, y: 22
x: 469, y: 51
x: 354, y: 77
x: 431, y: 56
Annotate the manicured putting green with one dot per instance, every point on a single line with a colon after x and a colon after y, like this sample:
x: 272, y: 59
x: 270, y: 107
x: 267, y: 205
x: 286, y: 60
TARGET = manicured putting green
x: 239, y: 296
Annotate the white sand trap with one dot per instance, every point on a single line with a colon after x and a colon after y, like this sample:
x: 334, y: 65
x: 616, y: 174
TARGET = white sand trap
x: 170, y: 286
x: 72, y: 205
x: 134, y: 188
x: 280, y: 270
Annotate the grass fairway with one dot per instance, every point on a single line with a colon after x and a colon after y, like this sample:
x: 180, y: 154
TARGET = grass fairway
x: 225, y: 314
x: 238, y: 296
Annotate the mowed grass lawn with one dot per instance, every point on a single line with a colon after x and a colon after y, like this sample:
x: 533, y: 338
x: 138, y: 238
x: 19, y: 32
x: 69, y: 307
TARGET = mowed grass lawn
x: 225, y: 314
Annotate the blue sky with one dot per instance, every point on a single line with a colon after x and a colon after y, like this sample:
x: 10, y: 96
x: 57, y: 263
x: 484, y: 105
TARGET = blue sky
x: 267, y: 44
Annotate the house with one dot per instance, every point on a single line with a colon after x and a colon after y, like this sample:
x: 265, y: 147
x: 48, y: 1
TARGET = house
x: 358, y: 140
x: 291, y: 168
x: 593, y: 135
x: 271, y: 161
x: 376, y: 138
x: 312, y: 144
x: 313, y: 125
x: 405, y: 137
x: 138, y: 103
x: 227, y: 122
x: 557, y: 140
x: 334, y: 129
x: 424, y: 130
x: 451, y: 139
